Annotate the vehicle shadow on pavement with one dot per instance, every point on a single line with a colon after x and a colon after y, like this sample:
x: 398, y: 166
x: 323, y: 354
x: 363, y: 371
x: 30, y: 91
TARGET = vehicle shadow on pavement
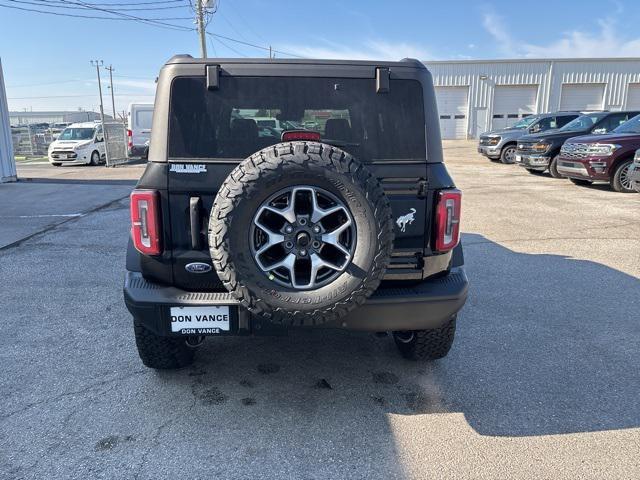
x: 545, y: 345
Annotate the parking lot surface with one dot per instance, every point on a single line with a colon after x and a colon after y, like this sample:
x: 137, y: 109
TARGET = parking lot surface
x: 542, y: 381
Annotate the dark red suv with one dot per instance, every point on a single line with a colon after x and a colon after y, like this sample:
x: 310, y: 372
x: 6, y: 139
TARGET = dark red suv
x: 608, y: 157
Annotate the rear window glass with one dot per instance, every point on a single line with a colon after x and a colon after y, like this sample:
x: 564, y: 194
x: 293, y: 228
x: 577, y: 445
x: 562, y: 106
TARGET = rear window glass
x: 247, y: 114
x: 143, y: 118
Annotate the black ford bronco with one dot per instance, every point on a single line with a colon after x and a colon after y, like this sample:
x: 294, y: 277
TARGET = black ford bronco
x: 293, y: 194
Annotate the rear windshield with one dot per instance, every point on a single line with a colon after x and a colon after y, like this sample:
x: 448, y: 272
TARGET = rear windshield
x: 247, y: 114
x: 143, y: 118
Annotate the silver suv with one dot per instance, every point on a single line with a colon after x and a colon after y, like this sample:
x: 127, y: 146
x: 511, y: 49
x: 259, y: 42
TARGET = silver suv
x: 501, y: 144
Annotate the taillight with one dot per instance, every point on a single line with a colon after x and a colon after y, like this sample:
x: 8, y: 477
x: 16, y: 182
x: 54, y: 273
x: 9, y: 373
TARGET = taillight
x: 448, y: 219
x: 145, y: 221
x: 129, y: 138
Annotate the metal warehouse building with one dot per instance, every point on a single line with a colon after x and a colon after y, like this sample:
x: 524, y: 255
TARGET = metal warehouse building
x: 479, y: 95
x: 29, y: 118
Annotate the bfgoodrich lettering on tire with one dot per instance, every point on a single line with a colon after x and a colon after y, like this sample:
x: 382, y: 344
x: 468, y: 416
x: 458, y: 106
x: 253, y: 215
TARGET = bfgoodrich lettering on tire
x: 301, y: 233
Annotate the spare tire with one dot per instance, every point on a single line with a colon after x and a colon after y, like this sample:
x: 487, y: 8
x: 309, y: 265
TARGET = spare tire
x: 301, y: 233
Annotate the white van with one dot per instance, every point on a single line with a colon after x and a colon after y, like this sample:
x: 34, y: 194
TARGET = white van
x: 139, y: 118
x: 79, y: 143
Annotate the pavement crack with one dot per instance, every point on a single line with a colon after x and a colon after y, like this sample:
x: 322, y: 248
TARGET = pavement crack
x: 53, y: 226
x: 79, y: 391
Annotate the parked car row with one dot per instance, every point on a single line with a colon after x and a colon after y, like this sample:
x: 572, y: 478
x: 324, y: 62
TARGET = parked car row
x: 584, y: 147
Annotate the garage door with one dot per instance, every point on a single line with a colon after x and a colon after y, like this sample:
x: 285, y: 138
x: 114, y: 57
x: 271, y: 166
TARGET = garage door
x: 513, y: 102
x: 582, y: 96
x: 633, y: 97
x: 453, y: 107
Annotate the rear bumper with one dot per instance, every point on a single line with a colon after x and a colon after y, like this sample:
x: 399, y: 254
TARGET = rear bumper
x: 428, y: 304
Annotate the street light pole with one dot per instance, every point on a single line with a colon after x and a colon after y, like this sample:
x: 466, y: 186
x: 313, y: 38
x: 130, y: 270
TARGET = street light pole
x: 113, y: 102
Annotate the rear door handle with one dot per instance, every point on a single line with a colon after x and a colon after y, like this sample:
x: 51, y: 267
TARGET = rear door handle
x: 194, y: 221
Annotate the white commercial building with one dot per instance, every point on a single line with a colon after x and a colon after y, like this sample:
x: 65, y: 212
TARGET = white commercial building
x: 479, y: 95
x: 30, y: 118
x: 7, y: 161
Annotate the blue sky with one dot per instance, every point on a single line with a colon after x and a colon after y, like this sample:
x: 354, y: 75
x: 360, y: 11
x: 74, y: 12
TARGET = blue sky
x: 48, y: 56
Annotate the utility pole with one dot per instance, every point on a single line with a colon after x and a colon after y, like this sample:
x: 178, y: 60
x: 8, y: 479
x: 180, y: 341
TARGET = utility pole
x: 113, y: 102
x: 201, y: 27
x: 98, y: 64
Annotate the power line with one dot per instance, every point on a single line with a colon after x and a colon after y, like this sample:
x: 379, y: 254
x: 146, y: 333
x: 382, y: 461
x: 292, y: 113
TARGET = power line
x: 215, y: 37
x: 143, y: 20
x: 250, y: 28
x: 59, y: 14
x: 59, y: 4
x: 129, y: 3
x: 149, y: 21
x: 218, y: 37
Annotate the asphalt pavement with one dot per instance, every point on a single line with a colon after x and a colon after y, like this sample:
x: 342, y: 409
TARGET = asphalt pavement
x: 542, y: 381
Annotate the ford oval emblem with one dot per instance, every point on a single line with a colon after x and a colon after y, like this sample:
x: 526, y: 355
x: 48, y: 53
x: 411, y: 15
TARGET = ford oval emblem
x: 197, y: 267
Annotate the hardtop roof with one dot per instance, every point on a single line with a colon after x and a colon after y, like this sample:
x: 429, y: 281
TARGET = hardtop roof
x: 189, y: 60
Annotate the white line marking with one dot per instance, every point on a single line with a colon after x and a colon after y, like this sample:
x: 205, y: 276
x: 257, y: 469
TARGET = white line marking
x: 66, y: 215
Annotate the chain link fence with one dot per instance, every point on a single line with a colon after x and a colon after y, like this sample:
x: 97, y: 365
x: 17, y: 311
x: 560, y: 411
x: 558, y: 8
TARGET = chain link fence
x: 32, y: 141
x: 115, y: 137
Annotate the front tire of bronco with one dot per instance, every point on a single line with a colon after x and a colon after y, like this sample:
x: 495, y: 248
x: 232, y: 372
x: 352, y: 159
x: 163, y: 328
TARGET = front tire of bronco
x: 426, y: 344
x: 162, y: 353
x: 301, y: 233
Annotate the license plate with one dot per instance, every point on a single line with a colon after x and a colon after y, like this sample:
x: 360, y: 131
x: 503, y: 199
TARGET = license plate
x: 62, y: 157
x: 519, y: 158
x: 200, y: 320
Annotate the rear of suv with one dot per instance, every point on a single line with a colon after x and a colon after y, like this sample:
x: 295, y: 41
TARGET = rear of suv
x: 342, y: 216
x: 540, y: 152
x: 501, y: 144
x: 602, y: 158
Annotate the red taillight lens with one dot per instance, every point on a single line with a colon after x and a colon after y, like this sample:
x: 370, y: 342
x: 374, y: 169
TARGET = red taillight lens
x: 129, y: 138
x: 291, y: 135
x: 448, y: 219
x: 145, y: 221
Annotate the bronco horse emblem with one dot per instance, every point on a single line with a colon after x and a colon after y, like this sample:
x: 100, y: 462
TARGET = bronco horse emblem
x: 405, y: 220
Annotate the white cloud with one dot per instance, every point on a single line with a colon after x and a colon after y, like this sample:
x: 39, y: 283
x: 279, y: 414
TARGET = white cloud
x: 369, y: 50
x: 606, y: 41
x: 495, y: 25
